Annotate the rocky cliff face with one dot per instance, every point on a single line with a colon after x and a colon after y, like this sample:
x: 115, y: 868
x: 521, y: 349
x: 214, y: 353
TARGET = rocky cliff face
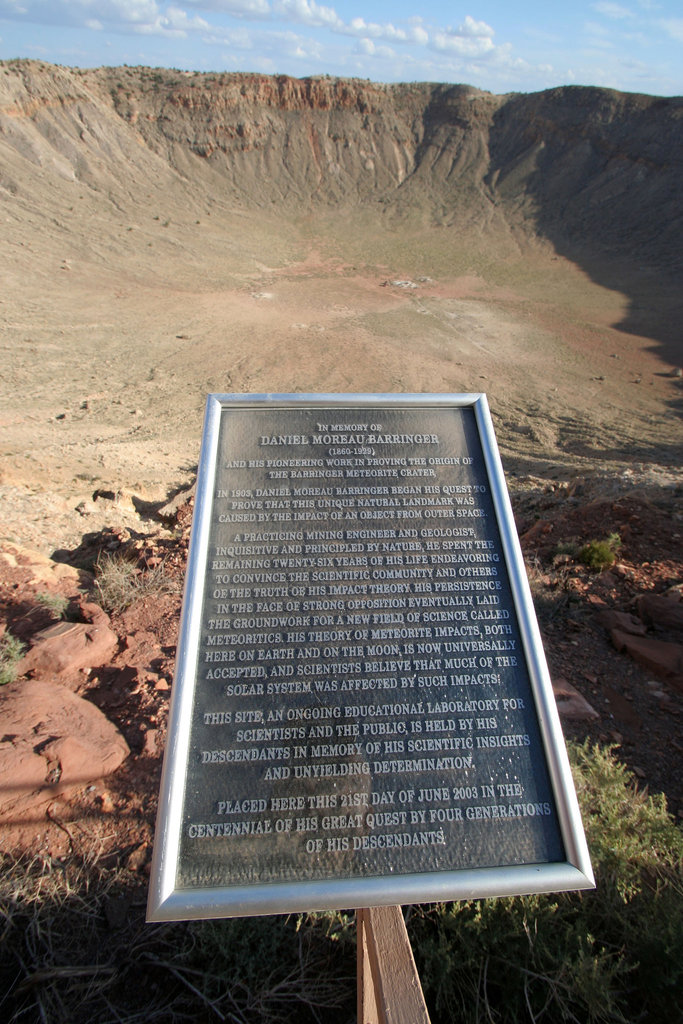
x: 581, y: 166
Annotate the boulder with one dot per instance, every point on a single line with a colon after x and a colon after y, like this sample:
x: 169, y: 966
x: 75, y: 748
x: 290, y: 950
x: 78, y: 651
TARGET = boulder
x: 661, y: 657
x: 661, y: 612
x: 67, y: 647
x: 571, y: 704
x: 52, y: 743
x: 610, y: 618
x: 44, y: 571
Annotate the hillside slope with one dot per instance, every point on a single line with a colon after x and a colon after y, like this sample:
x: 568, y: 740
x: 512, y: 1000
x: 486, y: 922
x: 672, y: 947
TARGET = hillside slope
x: 588, y: 167
x: 169, y: 234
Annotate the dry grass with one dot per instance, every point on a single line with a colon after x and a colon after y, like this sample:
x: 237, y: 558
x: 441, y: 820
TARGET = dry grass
x: 119, y: 582
x: 75, y: 948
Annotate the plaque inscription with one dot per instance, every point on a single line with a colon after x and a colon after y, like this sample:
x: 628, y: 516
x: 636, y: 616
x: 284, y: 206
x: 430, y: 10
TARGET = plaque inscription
x: 363, y: 706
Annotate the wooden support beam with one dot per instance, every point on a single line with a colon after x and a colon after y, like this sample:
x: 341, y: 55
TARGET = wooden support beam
x: 389, y: 989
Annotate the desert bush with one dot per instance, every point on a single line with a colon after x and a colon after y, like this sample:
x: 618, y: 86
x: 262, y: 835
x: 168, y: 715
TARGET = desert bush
x: 119, y: 581
x: 300, y: 968
x: 56, y: 604
x: 11, y: 652
x: 566, y: 547
x: 600, y: 554
x: 611, y: 955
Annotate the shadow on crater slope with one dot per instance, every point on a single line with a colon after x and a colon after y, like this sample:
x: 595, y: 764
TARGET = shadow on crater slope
x: 597, y: 172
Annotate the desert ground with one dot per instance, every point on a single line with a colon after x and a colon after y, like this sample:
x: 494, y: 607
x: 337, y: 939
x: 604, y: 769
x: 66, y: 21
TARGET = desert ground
x: 107, y: 367
x: 145, y: 267
x: 138, y: 276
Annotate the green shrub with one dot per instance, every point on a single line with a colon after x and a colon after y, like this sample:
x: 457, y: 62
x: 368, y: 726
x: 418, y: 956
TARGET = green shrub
x: 600, y: 554
x: 11, y: 652
x: 567, y: 547
x: 611, y: 955
x: 56, y: 604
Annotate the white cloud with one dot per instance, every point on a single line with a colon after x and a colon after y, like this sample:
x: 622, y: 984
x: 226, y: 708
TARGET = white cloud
x: 294, y: 45
x: 452, y: 43
x: 371, y: 49
x: 470, y: 27
x: 240, y: 38
x: 471, y: 39
x: 613, y: 10
x: 360, y: 42
x: 141, y: 17
x: 307, y: 12
x: 673, y: 27
x: 134, y: 11
x: 238, y: 8
x: 177, y: 18
x: 358, y: 26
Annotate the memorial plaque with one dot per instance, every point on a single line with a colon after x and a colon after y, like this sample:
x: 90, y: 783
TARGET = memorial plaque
x: 362, y: 713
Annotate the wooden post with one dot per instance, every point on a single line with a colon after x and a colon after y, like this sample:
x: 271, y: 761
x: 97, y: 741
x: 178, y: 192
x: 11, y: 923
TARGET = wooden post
x: 389, y: 989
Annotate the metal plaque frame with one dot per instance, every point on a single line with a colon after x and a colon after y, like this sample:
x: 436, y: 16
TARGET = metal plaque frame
x: 169, y: 902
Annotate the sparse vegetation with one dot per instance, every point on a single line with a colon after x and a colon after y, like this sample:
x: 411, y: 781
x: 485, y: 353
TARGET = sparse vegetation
x: 615, y: 954
x: 11, y: 652
x: 549, y: 599
x: 570, y: 548
x: 75, y: 946
x: 56, y: 604
x: 119, y: 581
x: 600, y: 554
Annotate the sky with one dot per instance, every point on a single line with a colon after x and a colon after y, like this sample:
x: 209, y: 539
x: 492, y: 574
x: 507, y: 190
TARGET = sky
x: 498, y: 45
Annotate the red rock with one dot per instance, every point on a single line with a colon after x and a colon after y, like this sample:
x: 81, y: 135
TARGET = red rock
x: 67, y: 647
x: 661, y: 612
x: 171, y: 508
x: 106, y: 803
x: 663, y: 658
x: 571, y: 704
x: 53, y: 742
x: 43, y: 570
x: 624, y: 621
x: 142, y: 644
x: 540, y: 529
x: 142, y: 651
x: 153, y: 743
